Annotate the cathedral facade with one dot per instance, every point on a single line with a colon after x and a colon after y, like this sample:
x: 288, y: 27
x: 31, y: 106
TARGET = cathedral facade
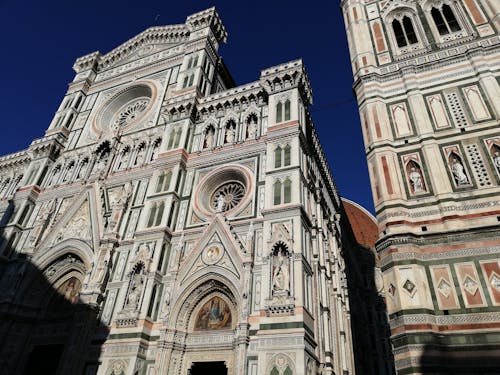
x: 170, y: 222
x: 426, y: 76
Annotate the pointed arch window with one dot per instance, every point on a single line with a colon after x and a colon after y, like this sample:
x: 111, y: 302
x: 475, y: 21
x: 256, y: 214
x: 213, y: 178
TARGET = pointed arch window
x: 277, y: 192
x: 287, y: 191
x: 287, y: 110
x: 279, y: 112
x: 174, y: 139
x: 156, y: 214
x: 277, y: 157
x: 282, y: 191
x: 287, y: 155
x: 186, y: 80
x: 163, y: 182
x: 282, y: 156
x: 191, y: 80
x: 445, y: 20
x: 404, y: 32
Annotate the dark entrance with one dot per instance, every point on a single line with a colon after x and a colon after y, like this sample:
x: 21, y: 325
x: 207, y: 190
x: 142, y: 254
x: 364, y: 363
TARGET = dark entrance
x: 44, y: 359
x: 208, y: 368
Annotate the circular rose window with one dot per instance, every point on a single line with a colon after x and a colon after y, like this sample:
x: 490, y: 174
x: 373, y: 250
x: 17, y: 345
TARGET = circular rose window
x: 130, y: 112
x: 227, y: 196
x: 224, y: 190
x: 126, y: 108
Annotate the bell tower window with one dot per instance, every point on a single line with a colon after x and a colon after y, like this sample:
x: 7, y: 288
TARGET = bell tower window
x: 445, y: 20
x: 404, y: 32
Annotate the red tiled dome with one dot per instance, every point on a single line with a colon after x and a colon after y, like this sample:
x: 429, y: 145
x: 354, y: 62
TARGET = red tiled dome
x: 363, y: 224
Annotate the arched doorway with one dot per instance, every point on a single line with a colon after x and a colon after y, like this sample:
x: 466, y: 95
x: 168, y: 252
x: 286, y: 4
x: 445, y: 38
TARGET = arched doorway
x: 205, y: 323
x: 212, y: 368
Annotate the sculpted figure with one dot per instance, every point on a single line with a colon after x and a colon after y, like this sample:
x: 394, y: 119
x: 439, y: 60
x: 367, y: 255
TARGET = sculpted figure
x: 496, y: 160
x: 416, y: 180
x: 252, y: 129
x: 281, y: 276
x: 458, y: 172
x: 230, y: 135
x: 83, y: 170
x: 140, y: 156
x: 209, y: 138
x: 220, y: 204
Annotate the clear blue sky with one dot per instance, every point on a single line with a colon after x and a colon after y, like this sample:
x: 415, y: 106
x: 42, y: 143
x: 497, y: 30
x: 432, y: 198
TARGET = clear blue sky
x: 42, y: 39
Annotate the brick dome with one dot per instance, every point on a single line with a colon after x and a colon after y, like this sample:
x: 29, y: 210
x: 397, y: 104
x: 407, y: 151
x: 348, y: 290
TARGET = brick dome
x: 363, y: 224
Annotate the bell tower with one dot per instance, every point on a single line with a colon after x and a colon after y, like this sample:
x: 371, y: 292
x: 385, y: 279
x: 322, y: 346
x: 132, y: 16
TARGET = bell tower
x: 427, y: 83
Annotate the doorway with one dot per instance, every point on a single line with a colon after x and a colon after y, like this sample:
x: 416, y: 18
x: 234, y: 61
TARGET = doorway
x: 44, y: 359
x: 208, y: 368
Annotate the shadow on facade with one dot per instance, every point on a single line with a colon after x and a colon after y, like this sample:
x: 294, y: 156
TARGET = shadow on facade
x: 369, y: 321
x: 45, y: 326
x: 443, y: 357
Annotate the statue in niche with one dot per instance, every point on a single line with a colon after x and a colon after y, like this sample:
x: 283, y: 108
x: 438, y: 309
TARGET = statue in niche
x: 230, y: 134
x: 69, y: 172
x: 100, y: 166
x: 136, y: 284
x: 416, y: 180
x: 459, y: 172
x: 55, y: 175
x: 156, y: 150
x: 496, y: 160
x: 209, y: 137
x: 139, y: 160
x: 281, y: 269
x: 214, y: 314
x: 252, y: 127
x: 124, y: 159
x: 83, y: 169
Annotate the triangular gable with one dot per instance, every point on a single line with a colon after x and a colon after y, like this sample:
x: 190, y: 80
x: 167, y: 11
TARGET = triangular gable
x: 80, y: 221
x: 162, y: 37
x: 218, y: 247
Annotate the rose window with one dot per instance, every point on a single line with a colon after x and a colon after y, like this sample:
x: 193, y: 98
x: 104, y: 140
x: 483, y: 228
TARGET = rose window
x: 126, y: 108
x: 131, y: 111
x: 227, y: 196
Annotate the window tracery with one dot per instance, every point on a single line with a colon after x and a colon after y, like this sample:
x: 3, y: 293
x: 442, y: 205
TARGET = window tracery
x: 163, y: 182
x: 282, y: 191
x: 155, y: 214
x: 282, y: 156
x: 174, y: 139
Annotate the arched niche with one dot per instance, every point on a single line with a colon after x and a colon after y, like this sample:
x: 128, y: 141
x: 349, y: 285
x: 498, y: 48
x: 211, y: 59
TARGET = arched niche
x: 194, y: 302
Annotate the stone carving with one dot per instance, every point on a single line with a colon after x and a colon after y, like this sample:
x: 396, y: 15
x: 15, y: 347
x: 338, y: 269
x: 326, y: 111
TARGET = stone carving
x: 135, y: 288
x: 79, y: 226
x: 280, y: 364
x: 209, y: 137
x: 281, y: 273
x: 118, y: 203
x: 444, y: 288
x: 42, y: 221
x: 141, y: 153
x: 252, y: 127
x: 220, y: 204
x: 416, y: 179
x: 124, y: 159
x: 68, y: 176
x: 230, y: 134
x: 458, y: 171
x: 496, y: 160
x: 83, y: 169
x: 212, y: 254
